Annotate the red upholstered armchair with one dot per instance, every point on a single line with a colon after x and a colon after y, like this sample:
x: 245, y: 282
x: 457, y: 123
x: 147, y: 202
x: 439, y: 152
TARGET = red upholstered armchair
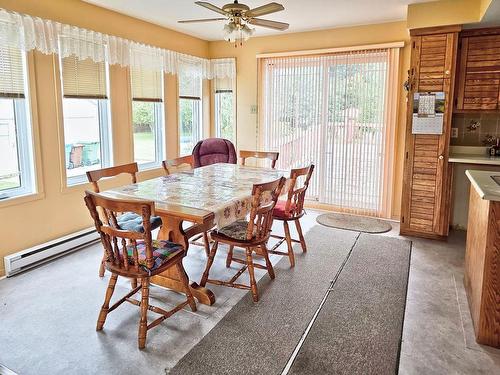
x: 214, y: 150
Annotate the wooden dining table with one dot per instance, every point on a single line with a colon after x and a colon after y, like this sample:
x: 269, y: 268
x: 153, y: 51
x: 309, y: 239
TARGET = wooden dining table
x: 208, y: 197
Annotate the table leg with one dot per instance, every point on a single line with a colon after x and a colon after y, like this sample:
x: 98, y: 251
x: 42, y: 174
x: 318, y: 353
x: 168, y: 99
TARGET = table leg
x: 171, y: 230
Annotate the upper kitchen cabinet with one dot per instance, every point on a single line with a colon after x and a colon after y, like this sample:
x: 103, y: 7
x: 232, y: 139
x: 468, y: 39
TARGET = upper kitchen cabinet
x: 478, y: 78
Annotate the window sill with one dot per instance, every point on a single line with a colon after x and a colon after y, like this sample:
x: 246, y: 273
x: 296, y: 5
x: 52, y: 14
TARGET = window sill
x: 149, y: 167
x: 21, y: 199
x: 75, y: 187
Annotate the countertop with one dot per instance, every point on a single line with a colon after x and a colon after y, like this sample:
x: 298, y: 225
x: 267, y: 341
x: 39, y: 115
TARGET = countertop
x: 473, y: 159
x: 484, y: 184
x: 472, y: 155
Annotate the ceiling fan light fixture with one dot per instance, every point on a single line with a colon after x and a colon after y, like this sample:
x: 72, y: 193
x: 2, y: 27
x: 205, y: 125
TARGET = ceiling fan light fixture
x: 248, y: 30
x: 239, y: 17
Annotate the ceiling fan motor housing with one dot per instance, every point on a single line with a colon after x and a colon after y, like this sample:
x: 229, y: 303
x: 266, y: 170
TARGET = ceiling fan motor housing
x: 235, y: 8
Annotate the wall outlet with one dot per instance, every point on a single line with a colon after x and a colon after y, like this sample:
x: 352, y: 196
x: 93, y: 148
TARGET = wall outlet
x: 253, y: 109
x: 454, y: 132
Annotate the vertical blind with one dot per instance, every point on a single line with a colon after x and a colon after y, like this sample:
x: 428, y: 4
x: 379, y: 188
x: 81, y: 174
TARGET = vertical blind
x: 146, y: 84
x: 331, y: 110
x: 11, y: 73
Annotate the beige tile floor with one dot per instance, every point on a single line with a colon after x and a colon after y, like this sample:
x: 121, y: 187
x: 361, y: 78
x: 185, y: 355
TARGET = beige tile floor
x: 437, y: 333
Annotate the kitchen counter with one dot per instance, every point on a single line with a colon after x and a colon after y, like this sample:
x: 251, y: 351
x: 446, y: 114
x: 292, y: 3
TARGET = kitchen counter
x: 484, y: 184
x: 474, y: 159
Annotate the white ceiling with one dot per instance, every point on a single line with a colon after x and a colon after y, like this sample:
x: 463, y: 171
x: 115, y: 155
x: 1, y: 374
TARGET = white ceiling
x: 302, y: 15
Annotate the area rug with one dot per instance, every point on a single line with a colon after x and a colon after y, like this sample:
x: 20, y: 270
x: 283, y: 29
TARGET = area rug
x: 353, y: 222
x: 359, y: 328
x: 259, y: 338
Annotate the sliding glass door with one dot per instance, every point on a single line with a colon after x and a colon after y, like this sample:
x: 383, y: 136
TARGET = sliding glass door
x: 331, y: 110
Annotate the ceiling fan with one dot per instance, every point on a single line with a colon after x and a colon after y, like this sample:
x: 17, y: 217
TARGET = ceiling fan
x: 240, y: 16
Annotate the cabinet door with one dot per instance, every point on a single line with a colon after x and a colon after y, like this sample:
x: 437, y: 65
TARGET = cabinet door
x: 430, y: 67
x: 427, y: 177
x: 479, y: 75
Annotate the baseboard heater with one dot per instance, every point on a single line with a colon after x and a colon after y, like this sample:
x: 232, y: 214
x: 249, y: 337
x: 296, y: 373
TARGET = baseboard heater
x: 34, y: 256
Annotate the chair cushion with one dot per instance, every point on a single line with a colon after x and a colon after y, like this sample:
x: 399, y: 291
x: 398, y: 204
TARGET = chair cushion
x: 236, y: 230
x: 133, y: 222
x: 162, y: 252
x: 214, y: 150
x: 279, y: 210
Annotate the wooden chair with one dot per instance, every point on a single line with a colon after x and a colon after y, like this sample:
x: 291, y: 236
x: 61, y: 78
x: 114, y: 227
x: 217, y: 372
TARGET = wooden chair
x: 95, y: 176
x: 135, y: 255
x: 252, y: 235
x: 129, y: 220
x: 172, y: 165
x: 273, y: 156
x: 292, y: 210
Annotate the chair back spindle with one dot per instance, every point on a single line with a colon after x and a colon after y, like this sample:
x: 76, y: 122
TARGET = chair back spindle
x: 272, y: 156
x: 264, y: 198
x: 296, y: 196
x: 117, y: 241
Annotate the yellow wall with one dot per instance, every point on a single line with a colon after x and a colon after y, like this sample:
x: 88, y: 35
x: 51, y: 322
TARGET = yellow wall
x: 246, y: 69
x: 446, y: 12
x: 58, y: 211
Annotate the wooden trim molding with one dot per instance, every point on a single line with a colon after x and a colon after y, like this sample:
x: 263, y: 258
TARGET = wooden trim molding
x: 480, y: 32
x: 436, y: 30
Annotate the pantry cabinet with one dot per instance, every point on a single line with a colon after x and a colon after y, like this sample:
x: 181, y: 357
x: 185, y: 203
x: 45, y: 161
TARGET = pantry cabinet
x: 427, y: 176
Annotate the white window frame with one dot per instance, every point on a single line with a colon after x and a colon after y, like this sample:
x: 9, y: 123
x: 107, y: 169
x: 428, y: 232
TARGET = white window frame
x: 217, y: 119
x: 24, y: 136
x: 159, y: 124
x: 105, y: 129
x: 199, y: 115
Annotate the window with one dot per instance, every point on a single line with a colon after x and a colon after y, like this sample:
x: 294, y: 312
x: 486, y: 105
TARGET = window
x: 224, y: 103
x: 334, y: 110
x: 190, y: 125
x: 16, y: 158
x: 85, y: 114
x: 147, y: 116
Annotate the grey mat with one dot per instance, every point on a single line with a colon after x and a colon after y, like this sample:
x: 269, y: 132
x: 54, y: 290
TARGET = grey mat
x: 259, y: 338
x: 359, y: 328
x: 354, y: 222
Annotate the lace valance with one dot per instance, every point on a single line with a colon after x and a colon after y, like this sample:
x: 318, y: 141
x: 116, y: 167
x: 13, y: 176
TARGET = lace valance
x: 27, y: 33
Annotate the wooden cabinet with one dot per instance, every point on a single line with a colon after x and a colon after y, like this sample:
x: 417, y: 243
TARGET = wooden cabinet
x: 482, y: 268
x: 478, y: 83
x: 427, y: 176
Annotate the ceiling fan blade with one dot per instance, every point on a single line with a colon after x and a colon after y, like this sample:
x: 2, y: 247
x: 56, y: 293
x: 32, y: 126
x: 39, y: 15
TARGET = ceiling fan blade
x: 203, y: 20
x: 211, y: 7
x: 269, y: 24
x: 264, y: 9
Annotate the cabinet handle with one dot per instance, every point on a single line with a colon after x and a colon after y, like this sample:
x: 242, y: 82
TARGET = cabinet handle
x: 447, y: 72
x: 440, y: 157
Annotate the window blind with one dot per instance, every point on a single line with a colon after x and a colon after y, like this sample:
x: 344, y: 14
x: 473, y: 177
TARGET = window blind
x: 83, y: 78
x: 334, y: 110
x: 146, y: 84
x: 223, y: 85
x: 189, y: 83
x: 11, y: 73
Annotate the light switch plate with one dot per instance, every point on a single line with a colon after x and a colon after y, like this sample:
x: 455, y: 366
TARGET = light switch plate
x: 253, y: 109
x: 454, y: 132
